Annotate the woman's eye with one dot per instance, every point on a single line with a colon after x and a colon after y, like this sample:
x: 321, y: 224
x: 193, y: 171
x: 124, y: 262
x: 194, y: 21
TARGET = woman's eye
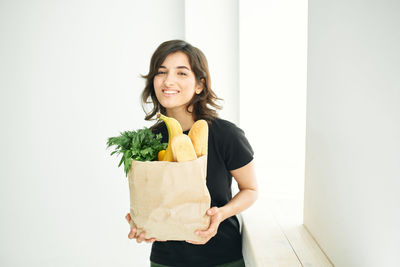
x: 182, y: 73
x: 161, y: 72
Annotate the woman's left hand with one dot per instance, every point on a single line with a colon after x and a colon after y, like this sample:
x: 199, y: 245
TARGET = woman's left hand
x: 215, y: 219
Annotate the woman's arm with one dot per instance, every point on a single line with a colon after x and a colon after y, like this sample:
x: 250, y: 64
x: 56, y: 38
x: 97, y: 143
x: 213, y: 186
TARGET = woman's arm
x: 247, y: 195
x: 248, y: 191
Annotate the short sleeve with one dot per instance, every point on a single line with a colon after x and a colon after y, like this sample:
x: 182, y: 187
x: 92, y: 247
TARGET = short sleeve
x: 237, y: 150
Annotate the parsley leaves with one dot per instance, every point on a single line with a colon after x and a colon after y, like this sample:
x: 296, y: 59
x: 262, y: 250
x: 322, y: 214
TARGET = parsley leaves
x: 141, y: 145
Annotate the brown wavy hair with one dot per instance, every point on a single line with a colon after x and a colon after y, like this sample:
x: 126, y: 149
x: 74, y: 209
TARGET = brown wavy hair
x: 202, y: 102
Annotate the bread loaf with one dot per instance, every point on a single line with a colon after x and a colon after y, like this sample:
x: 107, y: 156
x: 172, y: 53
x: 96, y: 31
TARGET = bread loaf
x: 198, y: 134
x: 182, y: 148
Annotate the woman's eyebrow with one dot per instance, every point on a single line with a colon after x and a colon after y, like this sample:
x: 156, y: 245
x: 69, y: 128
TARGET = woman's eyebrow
x: 179, y: 67
x: 182, y: 67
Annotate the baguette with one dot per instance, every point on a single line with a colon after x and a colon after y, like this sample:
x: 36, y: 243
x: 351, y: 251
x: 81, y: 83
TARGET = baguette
x: 182, y: 148
x: 199, y: 136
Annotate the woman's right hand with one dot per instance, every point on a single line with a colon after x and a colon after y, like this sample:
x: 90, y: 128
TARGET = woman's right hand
x: 139, y: 238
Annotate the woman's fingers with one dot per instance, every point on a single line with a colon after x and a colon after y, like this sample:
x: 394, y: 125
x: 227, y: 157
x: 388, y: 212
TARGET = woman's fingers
x: 210, y: 232
x: 128, y: 217
x: 212, y: 211
x: 141, y: 237
x: 197, y: 242
x: 132, y: 233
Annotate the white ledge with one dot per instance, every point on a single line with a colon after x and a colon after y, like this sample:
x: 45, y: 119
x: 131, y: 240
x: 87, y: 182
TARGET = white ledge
x: 273, y: 235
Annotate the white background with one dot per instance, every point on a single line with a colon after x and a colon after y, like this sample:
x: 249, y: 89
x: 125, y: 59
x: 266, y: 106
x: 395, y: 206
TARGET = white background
x: 352, y: 185
x: 70, y: 78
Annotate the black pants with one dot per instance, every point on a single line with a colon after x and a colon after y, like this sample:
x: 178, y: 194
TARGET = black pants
x: 239, y: 263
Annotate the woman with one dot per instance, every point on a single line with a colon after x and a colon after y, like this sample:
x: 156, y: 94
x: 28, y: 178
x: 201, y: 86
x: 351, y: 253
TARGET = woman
x: 178, y: 85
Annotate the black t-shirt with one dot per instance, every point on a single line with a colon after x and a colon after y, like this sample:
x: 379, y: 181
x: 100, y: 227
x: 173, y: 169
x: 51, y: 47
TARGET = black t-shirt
x: 228, y: 149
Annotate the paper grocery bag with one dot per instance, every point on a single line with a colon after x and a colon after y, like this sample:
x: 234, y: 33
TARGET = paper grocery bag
x: 169, y: 200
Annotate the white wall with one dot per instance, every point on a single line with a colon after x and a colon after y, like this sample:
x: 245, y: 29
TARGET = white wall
x: 69, y: 78
x: 273, y: 47
x: 212, y: 26
x: 352, y: 189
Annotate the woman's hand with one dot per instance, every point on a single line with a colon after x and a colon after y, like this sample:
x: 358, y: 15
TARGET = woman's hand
x: 141, y: 237
x: 215, y: 220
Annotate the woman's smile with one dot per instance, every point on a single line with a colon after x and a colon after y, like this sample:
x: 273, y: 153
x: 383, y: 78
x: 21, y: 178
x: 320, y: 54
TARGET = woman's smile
x: 170, y: 92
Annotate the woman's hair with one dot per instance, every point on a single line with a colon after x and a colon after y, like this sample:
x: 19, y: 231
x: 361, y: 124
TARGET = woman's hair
x: 199, y: 66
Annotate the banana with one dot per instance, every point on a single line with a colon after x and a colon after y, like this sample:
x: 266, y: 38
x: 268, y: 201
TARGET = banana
x: 174, y: 128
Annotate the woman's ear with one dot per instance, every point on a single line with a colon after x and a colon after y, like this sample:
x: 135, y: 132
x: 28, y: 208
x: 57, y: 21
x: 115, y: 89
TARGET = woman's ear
x: 199, y: 87
x: 199, y: 90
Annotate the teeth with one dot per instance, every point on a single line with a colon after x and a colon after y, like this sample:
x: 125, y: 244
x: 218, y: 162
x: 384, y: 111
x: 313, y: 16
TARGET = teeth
x: 170, y: 92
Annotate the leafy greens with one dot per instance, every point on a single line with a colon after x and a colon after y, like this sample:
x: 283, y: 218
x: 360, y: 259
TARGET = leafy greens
x: 141, y: 145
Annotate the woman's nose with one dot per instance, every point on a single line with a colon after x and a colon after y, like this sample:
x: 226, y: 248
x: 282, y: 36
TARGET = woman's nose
x: 169, y: 80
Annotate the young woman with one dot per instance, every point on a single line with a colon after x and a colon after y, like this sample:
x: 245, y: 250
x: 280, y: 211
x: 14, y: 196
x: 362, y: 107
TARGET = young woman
x: 178, y: 85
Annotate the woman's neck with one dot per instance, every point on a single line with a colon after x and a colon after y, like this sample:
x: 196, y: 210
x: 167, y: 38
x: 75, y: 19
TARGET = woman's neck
x: 185, y: 118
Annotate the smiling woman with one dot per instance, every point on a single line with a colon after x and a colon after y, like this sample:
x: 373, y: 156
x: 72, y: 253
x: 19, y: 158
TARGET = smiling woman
x: 178, y: 85
x: 179, y: 69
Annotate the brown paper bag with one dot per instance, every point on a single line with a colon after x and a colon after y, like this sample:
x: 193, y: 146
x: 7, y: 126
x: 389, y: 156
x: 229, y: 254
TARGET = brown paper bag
x: 169, y: 200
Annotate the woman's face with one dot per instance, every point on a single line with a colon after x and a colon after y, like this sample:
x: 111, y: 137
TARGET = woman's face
x: 175, y: 82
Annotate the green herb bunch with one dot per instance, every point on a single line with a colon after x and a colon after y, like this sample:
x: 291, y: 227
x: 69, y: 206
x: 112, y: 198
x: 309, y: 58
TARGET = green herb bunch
x: 141, y: 145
